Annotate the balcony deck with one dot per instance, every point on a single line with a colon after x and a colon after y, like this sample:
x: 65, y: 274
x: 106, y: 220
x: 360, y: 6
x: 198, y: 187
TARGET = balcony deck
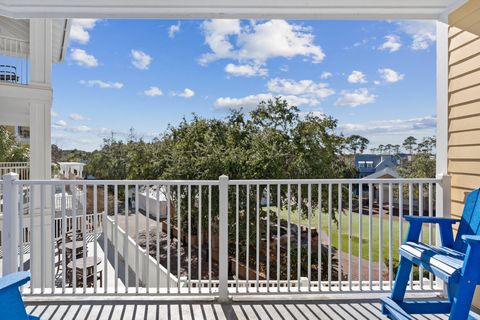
x: 356, y: 308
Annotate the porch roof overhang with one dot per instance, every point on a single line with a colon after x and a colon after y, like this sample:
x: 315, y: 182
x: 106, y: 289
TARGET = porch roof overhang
x: 185, y: 9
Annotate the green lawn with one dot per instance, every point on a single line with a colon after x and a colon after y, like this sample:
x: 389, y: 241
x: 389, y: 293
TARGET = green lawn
x: 365, y: 232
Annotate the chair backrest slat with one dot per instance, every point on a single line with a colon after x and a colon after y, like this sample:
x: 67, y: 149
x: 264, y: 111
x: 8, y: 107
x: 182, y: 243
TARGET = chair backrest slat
x: 470, y: 221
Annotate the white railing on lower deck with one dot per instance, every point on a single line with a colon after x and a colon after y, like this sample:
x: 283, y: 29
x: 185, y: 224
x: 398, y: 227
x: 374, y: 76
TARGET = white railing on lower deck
x: 21, y: 168
x: 217, y: 237
x: 14, y: 61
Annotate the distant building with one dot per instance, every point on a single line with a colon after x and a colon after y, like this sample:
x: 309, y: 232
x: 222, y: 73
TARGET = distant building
x: 374, y: 166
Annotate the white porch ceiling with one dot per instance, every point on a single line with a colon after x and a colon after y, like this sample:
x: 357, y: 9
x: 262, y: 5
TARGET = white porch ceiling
x: 184, y: 9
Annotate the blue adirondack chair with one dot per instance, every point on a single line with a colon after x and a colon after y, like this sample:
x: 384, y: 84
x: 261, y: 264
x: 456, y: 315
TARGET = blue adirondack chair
x: 456, y: 261
x: 11, y: 303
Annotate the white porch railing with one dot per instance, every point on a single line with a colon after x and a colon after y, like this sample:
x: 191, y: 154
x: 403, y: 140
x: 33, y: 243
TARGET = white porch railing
x: 14, y: 61
x: 21, y: 168
x: 221, y: 237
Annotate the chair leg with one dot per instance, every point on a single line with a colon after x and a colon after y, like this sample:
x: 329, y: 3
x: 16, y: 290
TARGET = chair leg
x: 401, y: 280
x: 462, y: 302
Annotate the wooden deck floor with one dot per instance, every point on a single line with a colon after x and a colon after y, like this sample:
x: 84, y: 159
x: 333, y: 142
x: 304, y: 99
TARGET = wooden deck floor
x: 184, y: 310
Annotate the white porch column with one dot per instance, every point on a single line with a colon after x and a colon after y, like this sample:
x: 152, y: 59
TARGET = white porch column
x: 443, y: 194
x: 40, y: 110
x: 443, y: 191
x: 40, y: 148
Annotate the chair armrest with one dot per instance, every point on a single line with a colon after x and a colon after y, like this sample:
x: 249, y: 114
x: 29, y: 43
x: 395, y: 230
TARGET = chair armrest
x: 439, y: 220
x: 445, y: 226
x: 16, y: 279
x: 470, y: 239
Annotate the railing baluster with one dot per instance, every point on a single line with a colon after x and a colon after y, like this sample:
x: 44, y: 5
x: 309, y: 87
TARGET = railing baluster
x: 330, y: 237
x: 370, y: 235
x: 309, y: 255
x: 33, y: 255
x: 54, y: 237
x: 115, y: 237
x: 84, y: 237
x: 257, y: 252
x: 278, y: 235
x: 299, y: 236
x: 289, y: 235
x: 199, y: 259
x: 105, y: 237
x: 237, y: 187
x: 360, y: 235
x: 158, y: 228
x: 380, y: 236
x: 127, y: 230
x: 430, y: 226
x: 147, y: 238
x: 339, y: 236
x: 390, y: 235
x: 410, y: 213
x: 42, y: 238
x: 420, y: 213
x: 95, y: 236
x: 169, y: 199
x: 189, y: 227
x: 268, y: 238
x: 179, y: 237
x: 209, y: 238
x: 350, y: 237
x: 319, y: 237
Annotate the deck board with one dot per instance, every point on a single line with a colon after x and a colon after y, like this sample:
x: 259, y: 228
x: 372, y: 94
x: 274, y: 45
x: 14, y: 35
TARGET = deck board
x: 283, y: 310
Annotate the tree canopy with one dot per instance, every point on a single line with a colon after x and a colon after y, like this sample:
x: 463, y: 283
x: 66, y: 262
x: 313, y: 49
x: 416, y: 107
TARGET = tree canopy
x: 273, y: 141
x: 10, y: 149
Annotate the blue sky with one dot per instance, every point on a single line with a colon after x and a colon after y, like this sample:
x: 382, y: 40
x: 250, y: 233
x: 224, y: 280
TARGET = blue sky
x: 376, y: 77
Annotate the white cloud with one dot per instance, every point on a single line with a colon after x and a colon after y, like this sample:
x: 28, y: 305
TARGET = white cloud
x: 245, y: 70
x: 392, y: 43
x: 82, y: 58
x: 306, y: 89
x: 186, y: 93
x: 153, y: 92
x: 355, y: 98
x: 258, y: 42
x: 390, y: 126
x: 284, y: 68
x: 77, y: 117
x: 80, y: 28
x: 54, y: 114
x: 60, y: 124
x: 250, y: 102
x: 174, y: 28
x: 422, y: 32
x: 357, y: 77
x: 390, y: 75
x: 326, y: 75
x: 140, y: 59
x: 102, y: 84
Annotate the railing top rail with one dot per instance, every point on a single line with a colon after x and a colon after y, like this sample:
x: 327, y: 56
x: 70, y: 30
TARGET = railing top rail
x: 117, y: 182
x: 14, y: 164
x: 231, y: 182
x: 13, y: 39
x: 335, y: 181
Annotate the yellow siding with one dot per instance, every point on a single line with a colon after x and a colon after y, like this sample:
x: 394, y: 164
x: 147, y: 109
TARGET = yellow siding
x: 464, y: 105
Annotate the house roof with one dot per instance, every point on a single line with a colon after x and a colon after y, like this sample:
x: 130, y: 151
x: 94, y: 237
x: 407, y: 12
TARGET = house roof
x: 305, y: 9
x: 386, y: 172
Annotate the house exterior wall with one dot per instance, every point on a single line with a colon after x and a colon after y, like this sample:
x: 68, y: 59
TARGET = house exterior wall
x: 463, y: 114
x: 464, y: 106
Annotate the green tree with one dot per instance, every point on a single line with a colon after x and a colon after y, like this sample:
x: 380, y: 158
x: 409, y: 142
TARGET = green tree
x: 409, y: 144
x: 357, y: 143
x: 10, y: 149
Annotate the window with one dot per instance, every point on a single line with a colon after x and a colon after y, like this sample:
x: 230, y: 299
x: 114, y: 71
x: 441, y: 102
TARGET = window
x: 369, y: 164
x: 361, y: 164
x: 24, y: 132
